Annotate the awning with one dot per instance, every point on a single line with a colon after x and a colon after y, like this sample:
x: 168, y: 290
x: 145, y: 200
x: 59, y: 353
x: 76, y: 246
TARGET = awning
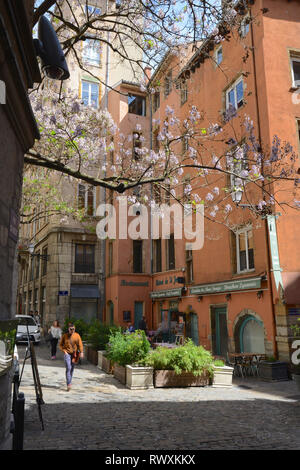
x: 85, y: 291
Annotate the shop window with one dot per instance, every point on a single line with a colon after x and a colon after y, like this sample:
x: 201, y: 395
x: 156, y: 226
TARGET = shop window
x: 170, y: 245
x: 137, y: 256
x: 137, y: 104
x: 244, y: 250
x: 84, y: 258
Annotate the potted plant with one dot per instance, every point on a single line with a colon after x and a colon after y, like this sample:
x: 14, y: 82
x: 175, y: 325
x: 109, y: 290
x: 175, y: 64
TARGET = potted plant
x: 273, y: 370
x: 7, y: 343
x: 97, y: 338
x: 296, y: 367
x: 129, y: 349
x: 222, y: 375
x: 184, y: 366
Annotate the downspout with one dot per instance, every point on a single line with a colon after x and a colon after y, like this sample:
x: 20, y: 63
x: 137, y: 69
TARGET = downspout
x: 151, y: 194
x: 268, y: 248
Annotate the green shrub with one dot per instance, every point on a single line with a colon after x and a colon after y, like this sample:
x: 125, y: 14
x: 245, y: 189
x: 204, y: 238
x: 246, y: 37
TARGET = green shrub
x: 189, y: 358
x: 127, y: 348
x: 81, y: 327
x: 8, y: 337
x: 98, y: 334
x: 219, y: 363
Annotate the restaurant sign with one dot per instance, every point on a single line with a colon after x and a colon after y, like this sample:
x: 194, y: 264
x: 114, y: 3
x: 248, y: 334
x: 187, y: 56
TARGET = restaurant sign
x: 220, y: 287
x: 159, y: 294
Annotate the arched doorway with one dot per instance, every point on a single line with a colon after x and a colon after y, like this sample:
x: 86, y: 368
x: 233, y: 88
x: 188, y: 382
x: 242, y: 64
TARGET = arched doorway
x: 252, y: 335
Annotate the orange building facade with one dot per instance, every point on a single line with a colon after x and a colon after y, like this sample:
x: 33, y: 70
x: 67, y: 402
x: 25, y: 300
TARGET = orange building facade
x: 241, y: 291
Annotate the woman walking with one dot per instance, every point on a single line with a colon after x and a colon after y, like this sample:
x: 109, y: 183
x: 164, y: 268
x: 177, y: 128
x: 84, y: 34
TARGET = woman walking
x: 55, y: 332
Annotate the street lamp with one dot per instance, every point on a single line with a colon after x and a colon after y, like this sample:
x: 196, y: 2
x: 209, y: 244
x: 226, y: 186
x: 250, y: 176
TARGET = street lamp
x: 38, y: 255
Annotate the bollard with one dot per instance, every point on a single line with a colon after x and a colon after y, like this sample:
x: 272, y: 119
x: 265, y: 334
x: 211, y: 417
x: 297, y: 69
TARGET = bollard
x: 19, y: 422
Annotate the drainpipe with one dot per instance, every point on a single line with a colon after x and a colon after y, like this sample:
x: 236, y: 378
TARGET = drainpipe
x: 151, y: 193
x: 266, y: 221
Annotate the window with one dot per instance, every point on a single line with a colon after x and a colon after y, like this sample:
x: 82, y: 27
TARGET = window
x: 235, y: 95
x: 92, y: 11
x: 157, y: 256
x: 84, y: 258
x: 183, y: 92
x: 170, y: 252
x: 37, y: 266
x: 136, y: 145
x: 295, y: 69
x: 36, y: 298
x: 86, y: 199
x: 189, y: 266
x: 43, y: 302
x: 156, y: 101
x: 245, y: 26
x: 91, y: 52
x: 244, y: 250
x: 137, y: 256
x: 137, y: 105
x: 32, y: 269
x: 168, y: 84
x: 219, y: 55
x: 90, y: 93
x: 239, y: 163
x: 44, y: 265
x: 110, y: 258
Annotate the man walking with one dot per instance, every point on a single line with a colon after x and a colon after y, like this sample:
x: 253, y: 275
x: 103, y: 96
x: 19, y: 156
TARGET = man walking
x: 72, y: 347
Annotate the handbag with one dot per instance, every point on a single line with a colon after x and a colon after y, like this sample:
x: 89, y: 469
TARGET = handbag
x: 75, y: 357
x: 48, y: 337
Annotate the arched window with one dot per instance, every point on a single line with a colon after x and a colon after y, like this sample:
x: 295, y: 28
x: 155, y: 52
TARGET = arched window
x: 251, y: 335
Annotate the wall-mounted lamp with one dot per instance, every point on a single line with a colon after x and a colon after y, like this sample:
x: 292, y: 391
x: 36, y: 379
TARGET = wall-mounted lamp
x: 200, y: 297
x: 48, y: 48
x: 38, y: 255
x: 259, y: 294
x: 228, y: 296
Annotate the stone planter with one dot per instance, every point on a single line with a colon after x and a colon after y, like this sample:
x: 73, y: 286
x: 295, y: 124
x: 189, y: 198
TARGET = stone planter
x: 296, y: 377
x: 139, y: 378
x: 6, y: 357
x: 273, y: 371
x: 222, y: 376
x: 120, y: 373
x: 100, y: 358
x: 92, y: 355
x: 107, y: 364
x: 168, y: 378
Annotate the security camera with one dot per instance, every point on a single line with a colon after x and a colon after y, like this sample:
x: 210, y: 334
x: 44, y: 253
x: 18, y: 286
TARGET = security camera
x: 48, y: 48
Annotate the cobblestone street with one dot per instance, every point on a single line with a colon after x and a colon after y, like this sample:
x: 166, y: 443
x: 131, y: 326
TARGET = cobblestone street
x: 100, y: 413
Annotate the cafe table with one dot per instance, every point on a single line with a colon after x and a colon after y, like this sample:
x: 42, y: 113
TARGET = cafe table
x: 246, y: 363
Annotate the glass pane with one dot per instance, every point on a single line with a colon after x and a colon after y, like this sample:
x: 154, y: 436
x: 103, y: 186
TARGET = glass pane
x: 239, y: 93
x: 94, y: 94
x: 219, y: 56
x: 85, y: 93
x: 90, y: 202
x: 231, y: 98
x: 81, y: 196
x: 296, y: 71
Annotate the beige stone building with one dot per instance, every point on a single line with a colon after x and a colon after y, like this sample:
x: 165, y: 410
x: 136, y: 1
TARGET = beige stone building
x: 64, y: 276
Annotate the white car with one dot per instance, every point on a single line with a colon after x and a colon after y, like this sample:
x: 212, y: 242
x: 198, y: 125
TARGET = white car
x: 27, y: 326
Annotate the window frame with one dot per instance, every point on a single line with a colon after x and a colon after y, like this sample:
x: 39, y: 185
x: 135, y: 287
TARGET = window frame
x: 233, y: 87
x: 238, y: 232
x: 168, y: 84
x: 87, y: 188
x: 90, y: 83
x: 136, y: 243
x: 294, y: 58
x: 220, y: 48
x: 245, y: 26
x: 133, y: 109
x: 86, y: 57
x: 77, y: 265
x: 170, y: 262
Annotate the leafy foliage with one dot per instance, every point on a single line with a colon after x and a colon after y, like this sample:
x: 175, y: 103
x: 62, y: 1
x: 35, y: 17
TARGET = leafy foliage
x: 98, y: 334
x: 128, y: 348
x: 9, y: 338
x: 189, y: 358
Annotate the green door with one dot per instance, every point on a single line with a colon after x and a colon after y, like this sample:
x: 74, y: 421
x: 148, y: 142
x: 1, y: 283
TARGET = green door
x: 138, y: 313
x: 219, y: 331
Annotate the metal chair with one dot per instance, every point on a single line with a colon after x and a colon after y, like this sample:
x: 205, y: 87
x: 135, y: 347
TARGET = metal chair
x: 237, y: 366
x: 179, y: 339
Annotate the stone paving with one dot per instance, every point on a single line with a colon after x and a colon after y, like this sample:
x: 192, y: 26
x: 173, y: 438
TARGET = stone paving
x: 100, y: 413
